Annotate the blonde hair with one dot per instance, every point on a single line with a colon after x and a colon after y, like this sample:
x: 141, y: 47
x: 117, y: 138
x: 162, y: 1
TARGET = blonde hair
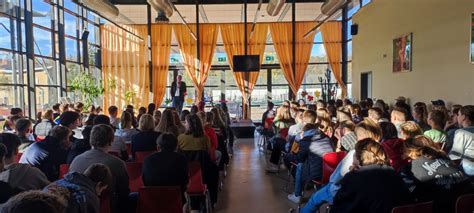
x: 422, y: 146
x: 283, y: 113
x: 146, y: 123
x: 48, y: 114
x: 411, y: 129
x: 370, y: 128
x: 323, y: 119
x: 369, y: 152
x: 167, y: 124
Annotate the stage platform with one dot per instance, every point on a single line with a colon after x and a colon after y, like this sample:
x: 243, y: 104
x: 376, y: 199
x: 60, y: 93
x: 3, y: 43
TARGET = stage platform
x: 243, y: 128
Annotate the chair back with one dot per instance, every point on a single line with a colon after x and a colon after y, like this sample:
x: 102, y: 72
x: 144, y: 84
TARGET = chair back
x: 63, y: 170
x: 160, y: 200
x: 134, y: 170
x: 426, y: 207
x: 18, y: 157
x: 140, y: 156
x: 465, y: 204
x: 330, y: 162
x: 196, y: 183
x: 105, y: 202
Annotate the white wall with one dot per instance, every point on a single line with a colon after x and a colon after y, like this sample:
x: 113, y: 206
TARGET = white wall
x: 441, y: 66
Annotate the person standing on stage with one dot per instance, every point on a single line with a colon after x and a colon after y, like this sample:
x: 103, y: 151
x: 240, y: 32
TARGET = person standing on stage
x: 178, y: 91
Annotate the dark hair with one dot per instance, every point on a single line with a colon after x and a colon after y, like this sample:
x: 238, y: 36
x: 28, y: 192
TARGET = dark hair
x: 101, y: 135
x: 309, y: 127
x: 407, y: 109
x: 56, y: 106
x: 438, y: 117
x: 101, y: 119
x: 183, y: 115
x: 59, y: 132
x: 34, y: 201
x: 369, y: 152
x: 15, y: 111
x: 195, y: 127
x: 90, y: 119
x: 194, y: 109
x: 22, y: 124
x: 142, y: 110
x: 270, y: 105
x: 67, y: 118
x: 167, y: 142
x: 11, y: 142
x: 151, y: 108
x: 112, y: 109
x: 3, y: 151
x: 468, y: 111
x: 99, y: 173
x: 389, y: 131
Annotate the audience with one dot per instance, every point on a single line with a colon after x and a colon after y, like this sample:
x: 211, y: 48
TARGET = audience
x: 126, y: 132
x: 145, y: 140
x: 5, y: 190
x: 157, y: 117
x: 113, y: 113
x: 463, y: 144
x: 141, y: 112
x: 24, y: 130
x: 281, y: 124
x: 194, y: 138
x: 20, y: 177
x: 409, y: 129
x: 42, y: 128
x: 50, y: 153
x: 34, y: 201
x: 371, y: 166
x: 82, y: 191
x: 437, y: 122
x: 101, y: 140
x: 167, y: 124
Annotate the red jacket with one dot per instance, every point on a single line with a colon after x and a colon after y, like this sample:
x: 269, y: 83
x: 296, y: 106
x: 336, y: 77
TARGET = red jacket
x: 211, y: 133
x: 394, y: 149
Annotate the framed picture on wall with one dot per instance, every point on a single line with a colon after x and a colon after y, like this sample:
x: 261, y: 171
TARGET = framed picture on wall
x: 472, y: 38
x: 402, y: 53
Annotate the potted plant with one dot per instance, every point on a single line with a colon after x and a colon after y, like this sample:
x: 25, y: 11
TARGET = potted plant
x: 86, y: 85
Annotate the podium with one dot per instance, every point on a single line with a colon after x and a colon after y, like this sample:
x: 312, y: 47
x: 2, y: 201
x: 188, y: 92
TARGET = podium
x: 243, y: 128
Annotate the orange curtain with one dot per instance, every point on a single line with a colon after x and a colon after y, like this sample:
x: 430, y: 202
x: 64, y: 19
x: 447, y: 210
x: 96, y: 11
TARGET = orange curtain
x: 197, y: 70
x: 332, y: 36
x: 234, y: 44
x: 124, y: 66
x: 160, y: 47
x: 283, y: 41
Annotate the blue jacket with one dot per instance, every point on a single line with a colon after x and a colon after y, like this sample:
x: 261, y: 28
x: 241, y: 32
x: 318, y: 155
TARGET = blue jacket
x: 312, y: 147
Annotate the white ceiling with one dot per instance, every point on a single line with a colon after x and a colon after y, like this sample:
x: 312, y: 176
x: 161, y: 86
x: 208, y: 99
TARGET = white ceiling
x: 225, y: 13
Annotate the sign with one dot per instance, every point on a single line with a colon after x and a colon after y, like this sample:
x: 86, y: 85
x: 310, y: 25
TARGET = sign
x: 269, y: 58
x: 221, y: 59
x: 174, y: 60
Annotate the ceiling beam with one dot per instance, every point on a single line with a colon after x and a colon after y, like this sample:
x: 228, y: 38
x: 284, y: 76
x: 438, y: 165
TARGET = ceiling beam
x: 192, y: 2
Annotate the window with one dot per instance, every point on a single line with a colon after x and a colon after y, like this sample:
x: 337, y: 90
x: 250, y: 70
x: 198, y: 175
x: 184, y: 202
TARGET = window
x: 318, y: 54
x: 43, y: 42
x: 71, y: 49
x: 42, y: 13
x: 46, y: 97
x: 45, y: 72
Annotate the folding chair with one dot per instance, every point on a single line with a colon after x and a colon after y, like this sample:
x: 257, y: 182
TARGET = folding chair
x: 196, y: 187
x: 63, y: 170
x: 140, y: 156
x: 465, y: 204
x: 426, y: 207
x: 134, y: 170
x: 163, y: 199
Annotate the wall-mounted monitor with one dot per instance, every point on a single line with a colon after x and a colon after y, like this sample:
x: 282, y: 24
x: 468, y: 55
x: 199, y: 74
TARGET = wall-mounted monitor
x: 246, y: 63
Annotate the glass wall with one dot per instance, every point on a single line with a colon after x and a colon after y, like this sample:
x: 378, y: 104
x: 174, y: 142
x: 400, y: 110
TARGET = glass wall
x: 43, y: 76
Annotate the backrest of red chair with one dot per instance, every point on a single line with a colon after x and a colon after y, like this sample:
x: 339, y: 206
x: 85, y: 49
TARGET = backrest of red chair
x: 129, y: 148
x: 426, y: 207
x: 196, y: 183
x: 105, y: 202
x: 140, y: 156
x: 160, y: 200
x: 284, y: 133
x: 18, y: 157
x: 63, y: 170
x: 465, y: 203
x: 134, y: 170
x: 330, y: 162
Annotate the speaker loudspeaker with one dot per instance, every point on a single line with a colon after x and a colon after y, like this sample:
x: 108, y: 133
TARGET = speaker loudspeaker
x: 354, y: 29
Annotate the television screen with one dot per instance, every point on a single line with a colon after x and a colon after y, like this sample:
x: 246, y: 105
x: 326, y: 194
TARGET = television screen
x: 246, y: 63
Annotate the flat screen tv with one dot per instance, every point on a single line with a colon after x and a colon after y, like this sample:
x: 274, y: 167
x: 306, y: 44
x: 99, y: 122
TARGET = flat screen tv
x: 246, y: 63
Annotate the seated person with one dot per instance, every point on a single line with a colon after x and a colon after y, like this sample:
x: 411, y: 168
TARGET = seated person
x: 126, y: 131
x: 114, y: 119
x: 21, y: 177
x: 312, y: 146
x: 437, y: 121
x: 145, y: 140
x: 409, y: 129
x: 392, y: 145
x: 82, y: 191
x: 463, y: 143
x: 118, y: 146
x: 384, y: 188
x: 42, y: 128
x: 24, y: 130
x: 346, y: 135
x: 294, y: 130
x: 166, y: 167
x: 34, y: 201
x: 431, y: 175
x: 281, y: 123
x: 398, y: 117
x: 101, y: 140
x: 365, y: 129
x: 5, y: 190
x: 49, y: 154
x: 194, y: 138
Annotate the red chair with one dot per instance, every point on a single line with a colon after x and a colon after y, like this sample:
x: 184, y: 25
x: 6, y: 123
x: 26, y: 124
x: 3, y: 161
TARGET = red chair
x: 465, y: 204
x: 196, y: 186
x: 129, y: 148
x: 63, y: 170
x: 134, y: 170
x: 426, y: 207
x: 18, y: 157
x: 330, y: 162
x: 140, y: 156
x: 105, y: 202
x: 160, y: 200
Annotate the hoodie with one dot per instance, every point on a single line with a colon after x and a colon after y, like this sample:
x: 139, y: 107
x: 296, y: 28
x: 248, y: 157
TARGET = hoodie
x: 312, y: 147
x: 23, y: 177
x: 79, y: 191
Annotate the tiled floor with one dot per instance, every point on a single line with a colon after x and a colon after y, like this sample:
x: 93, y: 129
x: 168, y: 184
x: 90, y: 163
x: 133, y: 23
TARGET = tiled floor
x: 248, y: 188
